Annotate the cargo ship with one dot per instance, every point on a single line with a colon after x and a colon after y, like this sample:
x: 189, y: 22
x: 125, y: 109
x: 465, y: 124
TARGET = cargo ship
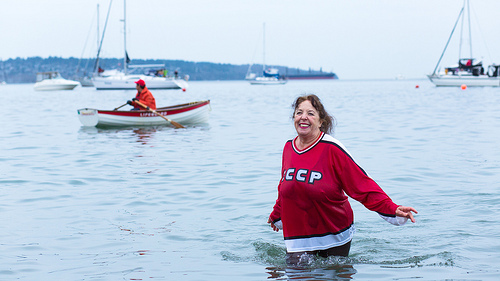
x: 311, y: 75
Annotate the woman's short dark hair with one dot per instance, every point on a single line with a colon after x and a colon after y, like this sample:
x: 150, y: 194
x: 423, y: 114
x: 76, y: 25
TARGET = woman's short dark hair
x: 327, y: 121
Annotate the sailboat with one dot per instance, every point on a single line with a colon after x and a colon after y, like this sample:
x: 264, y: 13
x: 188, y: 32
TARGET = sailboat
x: 469, y: 71
x: 155, y: 75
x: 270, y: 76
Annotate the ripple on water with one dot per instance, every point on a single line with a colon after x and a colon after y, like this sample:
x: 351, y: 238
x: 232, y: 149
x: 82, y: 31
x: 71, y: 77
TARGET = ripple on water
x: 331, y: 268
x: 13, y: 182
x: 146, y: 203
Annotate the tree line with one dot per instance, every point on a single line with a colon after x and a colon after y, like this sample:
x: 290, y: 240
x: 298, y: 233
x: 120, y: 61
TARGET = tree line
x: 23, y: 70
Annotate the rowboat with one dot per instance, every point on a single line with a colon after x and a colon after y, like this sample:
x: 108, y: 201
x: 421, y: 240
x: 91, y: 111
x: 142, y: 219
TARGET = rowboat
x: 186, y: 114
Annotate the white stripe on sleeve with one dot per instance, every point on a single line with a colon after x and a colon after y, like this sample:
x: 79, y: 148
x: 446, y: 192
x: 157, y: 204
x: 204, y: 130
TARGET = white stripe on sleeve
x: 395, y: 220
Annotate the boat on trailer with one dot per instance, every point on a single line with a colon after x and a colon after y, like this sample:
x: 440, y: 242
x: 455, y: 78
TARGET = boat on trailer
x: 185, y: 114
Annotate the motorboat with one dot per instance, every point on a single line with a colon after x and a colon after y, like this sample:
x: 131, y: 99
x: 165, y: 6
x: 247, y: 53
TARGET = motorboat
x: 185, y: 114
x: 53, y: 81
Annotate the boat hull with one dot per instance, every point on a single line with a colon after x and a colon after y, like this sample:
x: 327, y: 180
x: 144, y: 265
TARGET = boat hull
x: 186, y: 114
x: 53, y: 85
x: 312, y: 76
x: 86, y: 82
x: 469, y: 80
x: 127, y: 82
x: 267, y: 81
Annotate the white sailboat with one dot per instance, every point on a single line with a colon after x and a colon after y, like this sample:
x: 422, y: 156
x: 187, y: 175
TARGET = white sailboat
x: 469, y: 71
x: 270, y: 76
x: 155, y: 75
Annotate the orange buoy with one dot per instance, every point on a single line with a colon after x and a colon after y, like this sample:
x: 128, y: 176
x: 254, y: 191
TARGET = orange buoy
x: 463, y: 87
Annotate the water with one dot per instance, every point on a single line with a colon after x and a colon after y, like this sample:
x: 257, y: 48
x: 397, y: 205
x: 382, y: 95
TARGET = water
x: 157, y: 203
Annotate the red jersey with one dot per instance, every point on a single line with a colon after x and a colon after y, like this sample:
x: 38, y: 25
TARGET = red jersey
x: 312, y: 202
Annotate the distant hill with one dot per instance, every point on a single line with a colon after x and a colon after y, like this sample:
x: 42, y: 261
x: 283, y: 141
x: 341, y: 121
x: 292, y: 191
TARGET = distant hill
x: 23, y: 70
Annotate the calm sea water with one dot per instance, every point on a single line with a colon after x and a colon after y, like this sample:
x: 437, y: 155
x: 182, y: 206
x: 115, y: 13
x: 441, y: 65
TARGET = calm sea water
x: 156, y: 203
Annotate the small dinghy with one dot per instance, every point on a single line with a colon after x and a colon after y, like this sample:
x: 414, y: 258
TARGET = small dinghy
x: 186, y: 114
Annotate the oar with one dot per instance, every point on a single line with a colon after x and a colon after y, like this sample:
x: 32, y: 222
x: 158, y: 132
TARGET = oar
x: 120, y: 106
x: 177, y: 125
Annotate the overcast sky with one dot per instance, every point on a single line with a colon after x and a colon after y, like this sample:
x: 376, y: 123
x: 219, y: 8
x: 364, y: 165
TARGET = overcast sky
x: 357, y: 39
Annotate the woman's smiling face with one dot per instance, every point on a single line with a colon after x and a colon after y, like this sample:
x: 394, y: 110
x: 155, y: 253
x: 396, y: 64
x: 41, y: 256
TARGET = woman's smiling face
x: 306, y: 120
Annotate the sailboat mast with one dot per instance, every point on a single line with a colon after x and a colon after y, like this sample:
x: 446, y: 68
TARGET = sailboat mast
x: 96, y: 65
x: 264, y: 47
x: 461, y: 34
x: 125, y: 36
x: 466, y: 2
x: 470, y: 32
x: 97, y: 26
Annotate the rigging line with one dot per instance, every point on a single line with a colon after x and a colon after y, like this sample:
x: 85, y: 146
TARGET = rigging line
x: 85, y: 45
x: 102, y: 38
x: 439, y: 61
x: 254, y: 52
x: 481, y: 33
x: 97, y: 39
x: 97, y: 26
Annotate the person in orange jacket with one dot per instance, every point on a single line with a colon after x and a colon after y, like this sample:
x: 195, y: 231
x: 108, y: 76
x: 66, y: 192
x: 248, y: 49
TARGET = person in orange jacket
x: 144, y: 96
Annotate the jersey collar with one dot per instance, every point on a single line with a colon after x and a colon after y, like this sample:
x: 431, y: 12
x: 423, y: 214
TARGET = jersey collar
x: 309, y: 147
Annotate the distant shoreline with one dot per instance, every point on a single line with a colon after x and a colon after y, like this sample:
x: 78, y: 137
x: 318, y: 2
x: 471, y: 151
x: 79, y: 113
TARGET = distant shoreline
x: 23, y: 70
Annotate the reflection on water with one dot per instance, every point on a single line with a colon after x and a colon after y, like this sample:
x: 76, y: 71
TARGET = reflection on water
x: 313, y: 267
x: 331, y: 272
x: 310, y: 267
x: 144, y: 134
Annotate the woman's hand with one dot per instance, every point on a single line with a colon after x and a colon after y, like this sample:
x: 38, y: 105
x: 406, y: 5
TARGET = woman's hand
x: 403, y: 211
x: 275, y: 228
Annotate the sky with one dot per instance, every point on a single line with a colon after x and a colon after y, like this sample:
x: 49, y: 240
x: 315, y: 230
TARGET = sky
x: 356, y: 39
